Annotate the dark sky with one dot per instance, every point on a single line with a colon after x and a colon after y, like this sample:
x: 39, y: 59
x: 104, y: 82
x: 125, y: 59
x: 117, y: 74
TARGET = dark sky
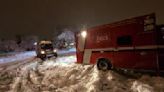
x: 43, y: 16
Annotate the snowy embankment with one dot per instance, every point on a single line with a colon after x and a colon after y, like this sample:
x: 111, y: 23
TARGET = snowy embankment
x: 67, y: 52
x: 17, y: 56
x: 63, y: 75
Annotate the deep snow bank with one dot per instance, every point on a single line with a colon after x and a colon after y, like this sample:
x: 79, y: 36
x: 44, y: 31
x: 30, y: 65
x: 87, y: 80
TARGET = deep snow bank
x: 54, y: 76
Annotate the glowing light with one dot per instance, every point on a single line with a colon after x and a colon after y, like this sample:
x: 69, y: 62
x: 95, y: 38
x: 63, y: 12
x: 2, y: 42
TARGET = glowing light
x: 84, y: 34
x: 162, y: 28
x: 42, y: 52
x: 55, y: 50
x: 35, y: 43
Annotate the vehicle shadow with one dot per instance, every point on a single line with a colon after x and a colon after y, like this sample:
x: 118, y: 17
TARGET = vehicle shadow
x: 134, y: 74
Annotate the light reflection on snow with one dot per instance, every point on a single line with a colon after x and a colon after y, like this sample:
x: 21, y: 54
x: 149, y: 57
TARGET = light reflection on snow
x: 17, y: 56
x: 65, y: 61
x: 67, y: 51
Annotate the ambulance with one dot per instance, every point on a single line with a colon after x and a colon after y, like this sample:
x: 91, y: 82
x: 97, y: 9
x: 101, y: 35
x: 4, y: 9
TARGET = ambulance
x: 134, y: 43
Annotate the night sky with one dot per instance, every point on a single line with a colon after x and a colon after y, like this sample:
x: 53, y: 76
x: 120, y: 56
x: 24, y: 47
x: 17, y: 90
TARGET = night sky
x: 41, y: 17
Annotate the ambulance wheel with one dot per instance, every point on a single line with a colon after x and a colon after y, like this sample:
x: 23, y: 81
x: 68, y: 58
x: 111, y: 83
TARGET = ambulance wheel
x: 104, y: 64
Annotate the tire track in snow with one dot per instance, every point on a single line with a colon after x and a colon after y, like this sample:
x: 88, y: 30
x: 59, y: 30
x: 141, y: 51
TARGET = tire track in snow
x: 9, y: 71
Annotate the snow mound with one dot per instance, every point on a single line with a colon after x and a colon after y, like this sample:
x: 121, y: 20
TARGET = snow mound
x: 148, y: 84
x: 54, y: 76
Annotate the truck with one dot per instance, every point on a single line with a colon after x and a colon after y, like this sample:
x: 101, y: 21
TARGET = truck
x: 45, y: 49
x: 134, y: 43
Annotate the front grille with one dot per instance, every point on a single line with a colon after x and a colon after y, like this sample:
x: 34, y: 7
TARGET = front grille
x: 49, y: 52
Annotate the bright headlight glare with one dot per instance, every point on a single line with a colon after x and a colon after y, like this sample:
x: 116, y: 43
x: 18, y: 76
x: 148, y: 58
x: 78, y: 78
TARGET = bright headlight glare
x: 83, y: 34
x: 35, y: 43
x: 55, y: 50
x: 42, y: 52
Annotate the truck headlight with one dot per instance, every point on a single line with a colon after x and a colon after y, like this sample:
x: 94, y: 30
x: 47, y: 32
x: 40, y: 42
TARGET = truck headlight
x: 42, y: 52
x: 55, y: 50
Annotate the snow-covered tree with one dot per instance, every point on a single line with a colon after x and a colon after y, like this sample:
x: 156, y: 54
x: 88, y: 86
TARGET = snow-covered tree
x: 8, y: 45
x: 65, y: 38
x: 28, y: 42
x: 67, y: 35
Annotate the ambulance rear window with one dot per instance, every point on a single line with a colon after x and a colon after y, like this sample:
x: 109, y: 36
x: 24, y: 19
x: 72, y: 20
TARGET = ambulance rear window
x: 124, y: 40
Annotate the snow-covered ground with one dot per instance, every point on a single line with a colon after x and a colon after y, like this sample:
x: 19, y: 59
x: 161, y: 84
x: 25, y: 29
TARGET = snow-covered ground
x: 72, y: 50
x: 17, y: 56
x: 64, y: 75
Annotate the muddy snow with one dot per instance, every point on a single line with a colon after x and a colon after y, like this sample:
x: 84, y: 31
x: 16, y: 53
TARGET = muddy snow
x: 57, y: 76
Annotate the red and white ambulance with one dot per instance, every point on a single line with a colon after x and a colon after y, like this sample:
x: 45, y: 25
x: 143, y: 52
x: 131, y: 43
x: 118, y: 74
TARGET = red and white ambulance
x: 132, y: 44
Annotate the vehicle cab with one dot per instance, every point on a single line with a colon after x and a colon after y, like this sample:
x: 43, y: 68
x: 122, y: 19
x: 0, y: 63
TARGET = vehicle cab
x: 45, y: 50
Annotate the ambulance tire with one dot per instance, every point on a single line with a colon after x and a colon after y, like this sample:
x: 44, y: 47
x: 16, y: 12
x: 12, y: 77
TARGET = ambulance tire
x: 104, y: 64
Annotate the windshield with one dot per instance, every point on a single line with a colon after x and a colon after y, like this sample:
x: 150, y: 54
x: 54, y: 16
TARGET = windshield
x: 46, y: 46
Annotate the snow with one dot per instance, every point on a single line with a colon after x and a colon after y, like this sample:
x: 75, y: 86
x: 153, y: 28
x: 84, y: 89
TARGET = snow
x: 18, y: 56
x: 66, y: 35
x: 15, y: 56
x: 64, y: 75
x: 71, y: 50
